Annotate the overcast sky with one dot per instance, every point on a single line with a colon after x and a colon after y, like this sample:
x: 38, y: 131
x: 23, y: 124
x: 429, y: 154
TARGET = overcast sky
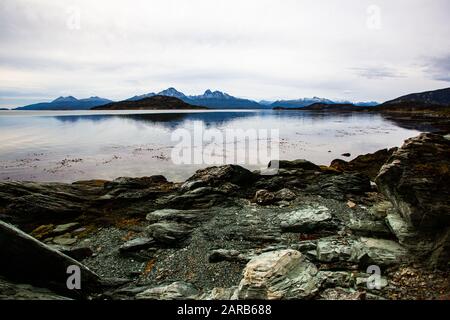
x: 259, y: 49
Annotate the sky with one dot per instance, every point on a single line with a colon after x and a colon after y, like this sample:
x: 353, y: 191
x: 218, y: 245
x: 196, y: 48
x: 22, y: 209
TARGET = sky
x: 353, y: 50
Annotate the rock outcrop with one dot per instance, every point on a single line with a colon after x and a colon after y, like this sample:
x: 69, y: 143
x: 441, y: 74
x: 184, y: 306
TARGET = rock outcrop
x: 415, y: 179
x: 368, y: 164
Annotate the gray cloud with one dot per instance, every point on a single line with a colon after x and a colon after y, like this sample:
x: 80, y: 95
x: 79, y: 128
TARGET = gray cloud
x: 439, y: 68
x: 260, y: 49
x: 377, y: 72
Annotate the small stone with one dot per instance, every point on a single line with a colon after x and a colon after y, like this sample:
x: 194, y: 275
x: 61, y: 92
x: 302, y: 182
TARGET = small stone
x: 264, y: 197
x: 227, y: 255
x: 136, y: 244
x: 64, y: 241
x: 285, y: 194
x: 341, y: 294
x: 351, y: 204
x: 64, y: 228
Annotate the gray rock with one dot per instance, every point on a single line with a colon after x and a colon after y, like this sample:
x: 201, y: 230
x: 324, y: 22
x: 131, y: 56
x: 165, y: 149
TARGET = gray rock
x: 342, y: 294
x: 227, y: 255
x: 15, y: 291
x: 215, y: 176
x: 169, y: 233
x: 136, y: 245
x: 64, y: 240
x: 63, y: 228
x: 264, y: 197
x: 285, y: 195
x: 284, y: 274
x: 400, y: 228
x: 416, y: 178
x: 379, y: 252
x: 174, y: 291
x: 306, y: 219
x: 337, y: 278
x: 333, y: 249
x: 339, y: 186
x: 191, y: 185
x: 374, y: 228
x: 219, y: 294
x: 187, y: 216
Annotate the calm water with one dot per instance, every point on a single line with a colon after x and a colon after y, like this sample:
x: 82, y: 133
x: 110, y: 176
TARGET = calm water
x: 70, y: 146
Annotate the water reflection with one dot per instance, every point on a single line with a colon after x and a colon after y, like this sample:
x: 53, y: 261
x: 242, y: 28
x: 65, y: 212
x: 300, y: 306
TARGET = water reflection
x: 110, y: 145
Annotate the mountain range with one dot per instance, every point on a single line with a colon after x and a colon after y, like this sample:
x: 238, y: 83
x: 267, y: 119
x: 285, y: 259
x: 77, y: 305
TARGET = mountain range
x: 221, y: 100
x: 209, y: 99
x: 67, y: 103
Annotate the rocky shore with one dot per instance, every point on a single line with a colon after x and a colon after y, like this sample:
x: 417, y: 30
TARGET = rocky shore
x: 308, y: 232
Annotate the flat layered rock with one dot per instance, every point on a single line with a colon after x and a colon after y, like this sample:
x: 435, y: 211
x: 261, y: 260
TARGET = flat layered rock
x: 169, y: 233
x: 174, y: 291
x: 306, y: 219
x: 283, y: 274
x: 380, y: 252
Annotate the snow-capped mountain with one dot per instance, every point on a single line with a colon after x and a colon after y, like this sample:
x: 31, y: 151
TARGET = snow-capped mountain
x: 172, y: 92
x: 210, y: 99
x: 142, y: 96
x: 299, y: 103
x: 213, y: 95
x: 304, y: 102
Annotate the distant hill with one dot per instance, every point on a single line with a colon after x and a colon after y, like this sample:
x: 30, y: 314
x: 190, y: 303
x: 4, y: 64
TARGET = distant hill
x: 299, y: 103
x: 157, y: 102
x: 67, y: 103
x: 333, y: 107
x: 437, y: 97
x: 305, y: 102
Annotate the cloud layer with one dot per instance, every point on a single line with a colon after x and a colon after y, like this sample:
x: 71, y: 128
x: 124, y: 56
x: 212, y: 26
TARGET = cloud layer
x: 259, y: 49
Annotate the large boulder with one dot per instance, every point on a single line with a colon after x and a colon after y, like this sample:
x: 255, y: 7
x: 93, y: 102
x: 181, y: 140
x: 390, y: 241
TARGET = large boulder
x: 294, y: 164
x: 217, y: 176
x: 28, y: 260
x: 416, y: 180
x: 283, y: 274
x: 368, y: 164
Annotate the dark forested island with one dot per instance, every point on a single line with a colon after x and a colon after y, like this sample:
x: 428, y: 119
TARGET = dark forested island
x: 151, y: 103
